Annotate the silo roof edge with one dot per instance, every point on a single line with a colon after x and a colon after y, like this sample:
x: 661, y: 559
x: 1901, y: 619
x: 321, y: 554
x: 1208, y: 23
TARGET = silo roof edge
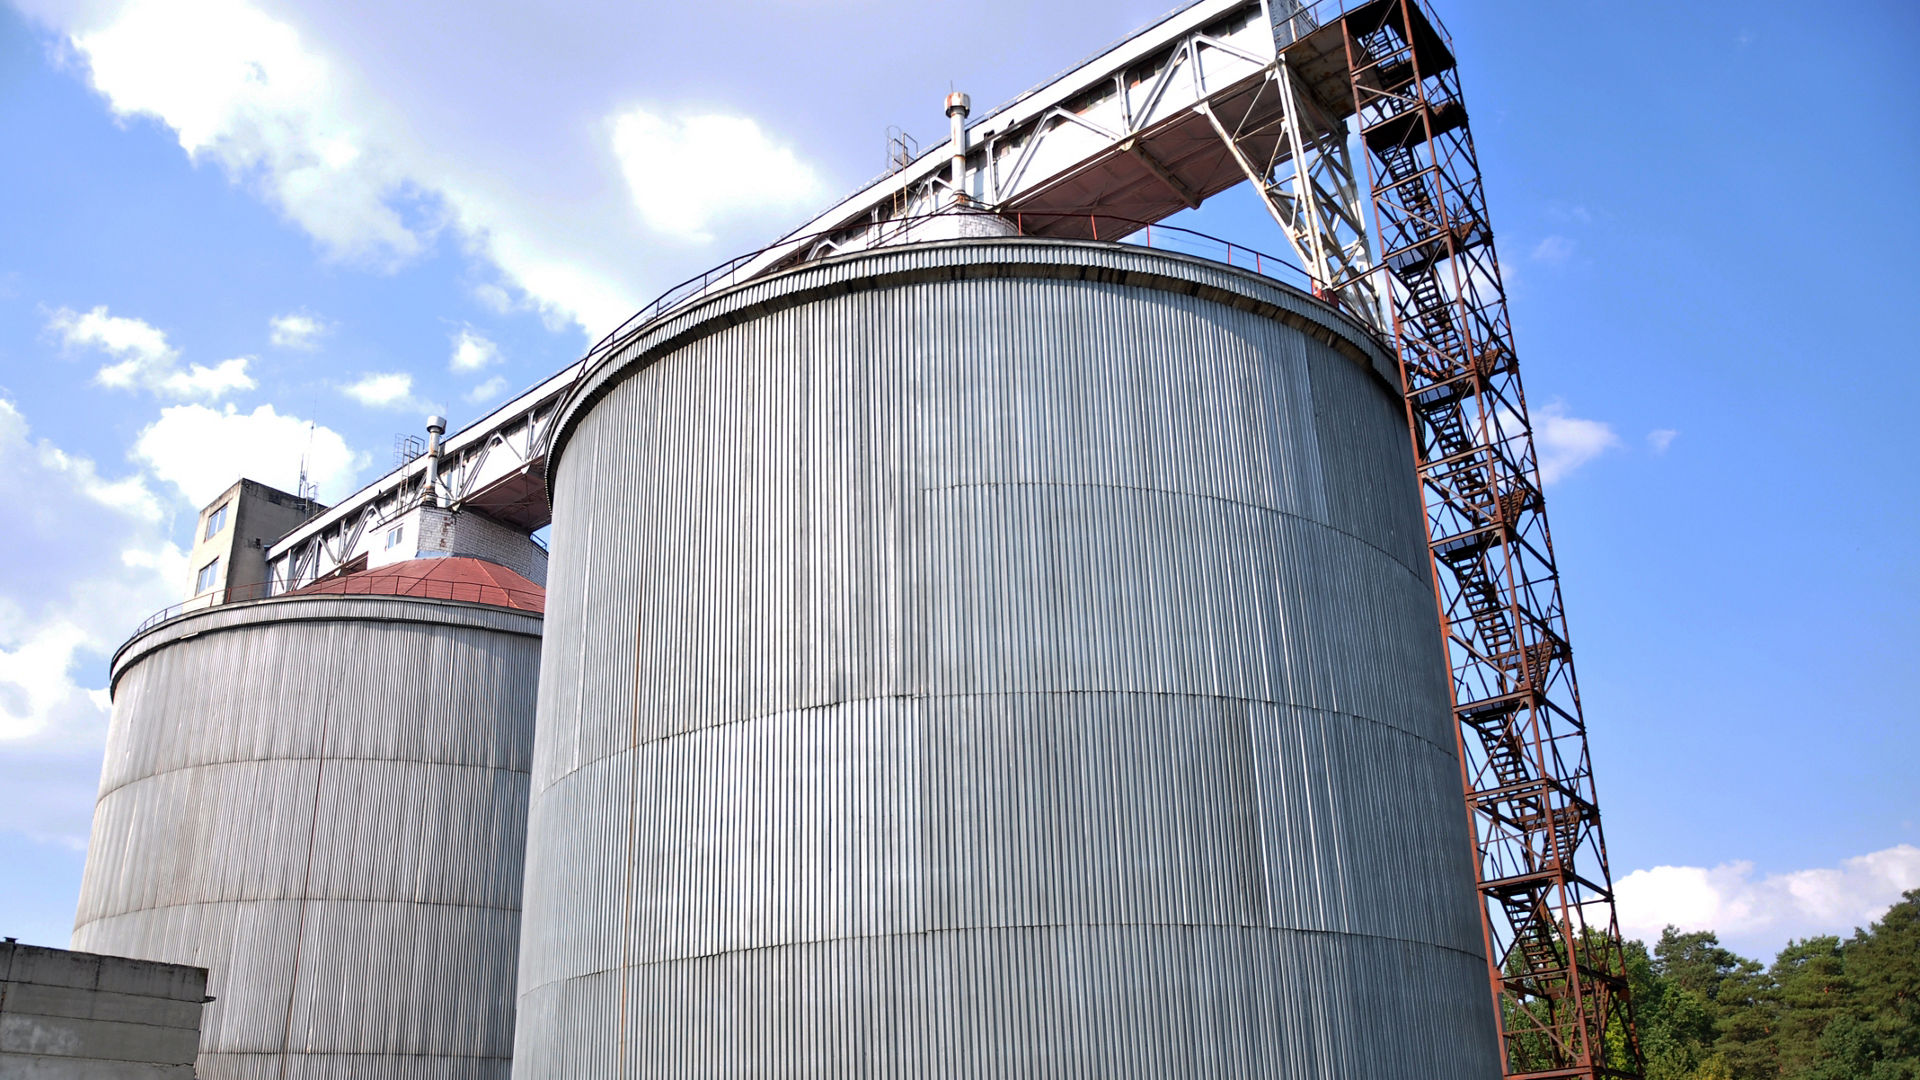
x: 971, y: 259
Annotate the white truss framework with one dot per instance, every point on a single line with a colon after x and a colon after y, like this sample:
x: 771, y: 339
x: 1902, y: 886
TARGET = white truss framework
x: 1215, y: 94
x: 1308, y: 185
x: 1219, y: 92
x: 492, y: 466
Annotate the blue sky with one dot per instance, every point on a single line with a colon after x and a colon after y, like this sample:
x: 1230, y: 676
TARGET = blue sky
x: 239, y: 232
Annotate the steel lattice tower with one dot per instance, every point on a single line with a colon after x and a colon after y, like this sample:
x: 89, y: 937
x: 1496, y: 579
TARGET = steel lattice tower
x: 1553, y: 942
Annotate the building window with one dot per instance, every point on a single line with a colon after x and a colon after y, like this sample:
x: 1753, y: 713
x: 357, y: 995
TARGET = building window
x: 395, y: 535
x: 208, y: 575
x: 216, y: 521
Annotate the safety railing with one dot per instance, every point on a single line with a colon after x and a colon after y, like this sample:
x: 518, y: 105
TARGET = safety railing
x: 1302, y: 19
x: 355, y: 585
x: 472, y: 592
x: 1123, y: 230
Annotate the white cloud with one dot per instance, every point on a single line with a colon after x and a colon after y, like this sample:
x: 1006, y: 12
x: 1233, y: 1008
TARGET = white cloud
x: 489, y: 391
x: 36, y: 682
x: 494, y: 298
x: 200, y: 381
x: 1553, y: 250
x: 87, y: 558
x: 296, y: 330
x: 373, y: 156
x: 142, y: 357
x: 1565, y: 442
x: 689, y: 174
x: 384, y: 390
x: 561, y: 263
x: 471, y: 352
x: 1764, y: 912
x: 241, y: 88
x: 133, y: 342
x: 1661, y: 438
x: 202, y: 451
x: 129, y: 495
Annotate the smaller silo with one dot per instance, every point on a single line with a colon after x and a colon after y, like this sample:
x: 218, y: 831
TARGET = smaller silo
x: 321, y: 798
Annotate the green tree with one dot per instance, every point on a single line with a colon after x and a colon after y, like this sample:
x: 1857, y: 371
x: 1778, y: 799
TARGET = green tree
x: 1876, y: 1034
x: 1675, y: 1025
x: 1810, y: 991
x: 1826, y: 1009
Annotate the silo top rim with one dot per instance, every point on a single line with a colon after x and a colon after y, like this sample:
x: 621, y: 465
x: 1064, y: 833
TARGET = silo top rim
x: 321, y: 607
x: 960, y: 260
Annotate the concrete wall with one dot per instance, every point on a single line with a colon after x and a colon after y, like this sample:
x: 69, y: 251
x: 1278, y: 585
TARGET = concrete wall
x: 256, y: 515
x: 996, y: 659
x: 265, y: 515
x: 322, y: 800
x: 79, y: 1016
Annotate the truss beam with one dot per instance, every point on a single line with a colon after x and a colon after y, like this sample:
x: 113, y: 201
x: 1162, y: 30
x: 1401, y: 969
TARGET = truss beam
x: 493, y: 466
x: 1307, y: 184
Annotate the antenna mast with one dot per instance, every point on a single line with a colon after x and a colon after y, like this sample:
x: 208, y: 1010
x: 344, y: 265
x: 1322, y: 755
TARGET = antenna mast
x: 309, y: 492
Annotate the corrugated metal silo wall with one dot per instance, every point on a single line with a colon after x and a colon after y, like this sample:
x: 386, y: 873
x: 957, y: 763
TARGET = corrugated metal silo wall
x: 996, y: 659
x: 323, y: 802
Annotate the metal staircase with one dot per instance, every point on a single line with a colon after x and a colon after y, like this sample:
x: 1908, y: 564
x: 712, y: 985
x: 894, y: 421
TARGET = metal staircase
x: 1552, y: 939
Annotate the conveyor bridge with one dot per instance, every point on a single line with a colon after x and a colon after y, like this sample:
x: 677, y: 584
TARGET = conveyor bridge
x: 1217, y: 93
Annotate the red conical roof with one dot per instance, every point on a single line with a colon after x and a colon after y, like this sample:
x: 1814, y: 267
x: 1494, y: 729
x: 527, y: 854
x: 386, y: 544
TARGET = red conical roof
x: 453, y: 577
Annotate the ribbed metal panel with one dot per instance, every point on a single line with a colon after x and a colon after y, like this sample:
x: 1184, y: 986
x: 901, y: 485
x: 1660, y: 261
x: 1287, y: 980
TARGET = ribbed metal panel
x: 996, y: 659
x: 323, y: 802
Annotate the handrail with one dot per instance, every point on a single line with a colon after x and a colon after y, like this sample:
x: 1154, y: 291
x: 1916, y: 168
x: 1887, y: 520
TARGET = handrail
x: 354, y: 585
x: 719, y: 276
x: 1318, y: 13
x: 1134, y: 231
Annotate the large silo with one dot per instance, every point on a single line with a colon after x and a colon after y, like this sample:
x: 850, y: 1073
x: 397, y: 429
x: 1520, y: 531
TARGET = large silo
x: 996, y: 658
x: 321, y: 799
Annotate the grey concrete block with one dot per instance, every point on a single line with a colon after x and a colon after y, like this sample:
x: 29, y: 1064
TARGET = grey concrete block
x: 69, y: 1001
x: 66, y: 1015
x: 29, y: 1067
x: 105, y: 1040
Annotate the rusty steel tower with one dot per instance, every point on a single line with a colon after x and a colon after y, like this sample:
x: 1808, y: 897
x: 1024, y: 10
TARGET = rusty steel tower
x: 1553, y: 941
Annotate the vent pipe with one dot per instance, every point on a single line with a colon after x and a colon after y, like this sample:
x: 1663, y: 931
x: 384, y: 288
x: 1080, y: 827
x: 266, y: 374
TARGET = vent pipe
x: 436, y: 427
x: 958, y: 105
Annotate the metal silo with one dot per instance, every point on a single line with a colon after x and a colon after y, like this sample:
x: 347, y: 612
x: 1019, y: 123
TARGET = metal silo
x: 321, y: 798
x: 996, y: 658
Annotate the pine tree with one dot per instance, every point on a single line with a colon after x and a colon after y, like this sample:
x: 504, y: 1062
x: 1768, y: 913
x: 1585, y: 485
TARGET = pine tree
x: 1825, y: 1010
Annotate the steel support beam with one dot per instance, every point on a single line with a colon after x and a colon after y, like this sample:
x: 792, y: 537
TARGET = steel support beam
x: 1306, y: 182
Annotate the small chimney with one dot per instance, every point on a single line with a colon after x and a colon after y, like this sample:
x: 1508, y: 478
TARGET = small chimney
x: 958, y: 105
x: 436, y: 427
